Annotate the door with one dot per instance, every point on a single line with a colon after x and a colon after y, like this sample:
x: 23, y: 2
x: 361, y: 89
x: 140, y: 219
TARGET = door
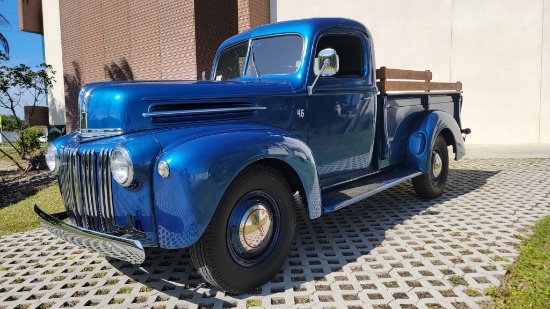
x: 341, y: 113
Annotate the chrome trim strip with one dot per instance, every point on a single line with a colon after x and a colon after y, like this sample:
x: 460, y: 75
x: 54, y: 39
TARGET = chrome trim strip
x: 84, y: 169
x: 90, y: 194
x: 65, y: 184
x: 91, y: 182
x: 205, y: 111
x: 105, y: 192
x: 84, y: 97
x: 105, y: 130
x: 90, y: 134
x: 67, y: 178
x: 76, y: 186
x: 120, y: 248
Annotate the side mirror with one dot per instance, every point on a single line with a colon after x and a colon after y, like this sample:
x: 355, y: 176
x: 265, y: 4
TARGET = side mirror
x: 329, y: 57
x: 326, y: 64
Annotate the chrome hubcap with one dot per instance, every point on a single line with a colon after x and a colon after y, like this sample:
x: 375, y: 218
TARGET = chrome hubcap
x: 255, y: 229
x: 437, y: 164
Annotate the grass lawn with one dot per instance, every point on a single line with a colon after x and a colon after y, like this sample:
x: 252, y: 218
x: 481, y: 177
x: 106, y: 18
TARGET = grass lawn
x: 10, y: 151
x: 20, y: 217
x: 527, y: 285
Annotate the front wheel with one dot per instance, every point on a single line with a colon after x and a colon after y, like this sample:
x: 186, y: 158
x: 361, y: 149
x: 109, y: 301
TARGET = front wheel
x: 249, y: 236
x: 432, y: 184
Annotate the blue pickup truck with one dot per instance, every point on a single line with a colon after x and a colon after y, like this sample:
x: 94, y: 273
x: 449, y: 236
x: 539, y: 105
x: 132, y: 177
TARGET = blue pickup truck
x: 292, y: 116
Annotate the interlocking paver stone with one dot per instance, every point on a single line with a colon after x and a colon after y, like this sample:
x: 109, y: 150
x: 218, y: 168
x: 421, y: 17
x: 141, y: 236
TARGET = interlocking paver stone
x: 393, y: 250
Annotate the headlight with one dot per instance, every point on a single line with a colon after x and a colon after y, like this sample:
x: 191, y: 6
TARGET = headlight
x: 51, y: 157
x: 121, y: 166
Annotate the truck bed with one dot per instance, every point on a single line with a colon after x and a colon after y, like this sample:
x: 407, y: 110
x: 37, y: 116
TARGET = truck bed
x: 398, y: 111
x: 401, y: 101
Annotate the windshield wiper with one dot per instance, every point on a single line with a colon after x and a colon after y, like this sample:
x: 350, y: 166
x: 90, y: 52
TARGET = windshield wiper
x: 252, y: 58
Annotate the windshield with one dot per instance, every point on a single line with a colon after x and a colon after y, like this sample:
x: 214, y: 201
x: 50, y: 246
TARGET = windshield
x: 278, y: 55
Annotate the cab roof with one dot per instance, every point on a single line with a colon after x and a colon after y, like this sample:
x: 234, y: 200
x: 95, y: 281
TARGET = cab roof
x: 305, y: 27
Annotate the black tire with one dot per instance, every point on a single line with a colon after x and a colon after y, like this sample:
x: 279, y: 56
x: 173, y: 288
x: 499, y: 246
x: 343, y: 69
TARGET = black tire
x: 432, y: 184
x: 230, y: 257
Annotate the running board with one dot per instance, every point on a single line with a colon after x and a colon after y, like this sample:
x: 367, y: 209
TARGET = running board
x: 359, y: 190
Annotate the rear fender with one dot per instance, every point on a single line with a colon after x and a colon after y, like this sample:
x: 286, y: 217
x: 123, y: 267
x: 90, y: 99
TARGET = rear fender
x: 201, y: 169
x: 423, y: 135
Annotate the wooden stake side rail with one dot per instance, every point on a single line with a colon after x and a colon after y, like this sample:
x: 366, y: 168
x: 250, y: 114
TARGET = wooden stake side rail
x: 385, y: 85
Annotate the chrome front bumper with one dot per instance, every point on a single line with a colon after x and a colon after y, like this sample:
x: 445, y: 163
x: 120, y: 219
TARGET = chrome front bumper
x: 121, y: 248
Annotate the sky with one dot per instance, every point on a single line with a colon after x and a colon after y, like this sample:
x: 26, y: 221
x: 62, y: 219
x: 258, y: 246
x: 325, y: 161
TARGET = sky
x: 25, y: 47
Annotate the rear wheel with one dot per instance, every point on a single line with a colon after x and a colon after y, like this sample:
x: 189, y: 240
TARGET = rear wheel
x: 249, y: 236
x: 432, y: 184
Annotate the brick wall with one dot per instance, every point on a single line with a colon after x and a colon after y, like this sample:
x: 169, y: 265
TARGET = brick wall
x: 115, y: 34
x: 252, y: 13
x: 30, y: 16
x: 144, y: 28
x: 36, y: 115
x: 92, y: 44
x: 139, y: 38
x: 259, y: 13
x: 215, y: 22
x: 177, y: 39
x: 169, y: 39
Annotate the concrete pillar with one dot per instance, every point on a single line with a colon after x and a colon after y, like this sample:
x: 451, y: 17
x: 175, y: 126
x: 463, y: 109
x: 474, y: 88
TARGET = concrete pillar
x: 53, y: 57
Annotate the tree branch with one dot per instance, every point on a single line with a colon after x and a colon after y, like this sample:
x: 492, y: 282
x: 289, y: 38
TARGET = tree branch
x: 17, y: 150
x: 12, y: 159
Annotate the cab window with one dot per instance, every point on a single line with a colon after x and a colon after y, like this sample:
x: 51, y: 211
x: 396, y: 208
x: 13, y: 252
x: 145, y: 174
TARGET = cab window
x: 350, y: 53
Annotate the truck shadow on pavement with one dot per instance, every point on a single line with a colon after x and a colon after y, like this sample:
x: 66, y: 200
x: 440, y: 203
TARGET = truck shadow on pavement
x: 325, y: 251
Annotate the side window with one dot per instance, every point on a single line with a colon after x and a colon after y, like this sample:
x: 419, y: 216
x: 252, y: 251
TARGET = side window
x: 350, y: 53
x: 231, y: 62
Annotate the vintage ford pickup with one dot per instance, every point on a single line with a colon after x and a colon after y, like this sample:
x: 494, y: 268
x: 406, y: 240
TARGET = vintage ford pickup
x: 292, y: 116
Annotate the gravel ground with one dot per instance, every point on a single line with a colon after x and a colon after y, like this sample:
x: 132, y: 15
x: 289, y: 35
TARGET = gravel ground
x: 390, y: 251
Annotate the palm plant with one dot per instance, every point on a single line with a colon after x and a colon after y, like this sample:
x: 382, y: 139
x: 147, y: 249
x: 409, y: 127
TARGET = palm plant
x: 3, y: 41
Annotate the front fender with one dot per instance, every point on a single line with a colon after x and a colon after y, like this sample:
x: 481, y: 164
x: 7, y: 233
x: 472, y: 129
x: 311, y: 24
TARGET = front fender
x: 422, y: 138
x: 202, y: 168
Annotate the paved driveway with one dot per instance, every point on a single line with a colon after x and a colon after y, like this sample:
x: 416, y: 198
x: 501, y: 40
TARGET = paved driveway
x: 390, y: 251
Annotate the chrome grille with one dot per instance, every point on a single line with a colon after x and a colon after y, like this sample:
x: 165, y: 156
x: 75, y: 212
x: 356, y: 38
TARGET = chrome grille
x: 86, y: 188
x: 106, y: 194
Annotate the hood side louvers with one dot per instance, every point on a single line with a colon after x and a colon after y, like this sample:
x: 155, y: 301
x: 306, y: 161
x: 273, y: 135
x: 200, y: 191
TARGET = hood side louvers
x: 163, y: 113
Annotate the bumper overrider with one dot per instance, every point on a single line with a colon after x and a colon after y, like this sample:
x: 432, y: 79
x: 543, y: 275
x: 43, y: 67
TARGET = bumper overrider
x: 120, y: 248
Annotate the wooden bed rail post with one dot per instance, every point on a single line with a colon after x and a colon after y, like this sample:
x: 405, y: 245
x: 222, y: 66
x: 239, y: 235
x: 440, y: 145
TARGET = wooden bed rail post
x: 427, y: 81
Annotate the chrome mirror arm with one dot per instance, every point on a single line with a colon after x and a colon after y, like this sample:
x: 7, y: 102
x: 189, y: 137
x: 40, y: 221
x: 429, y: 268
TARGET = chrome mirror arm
x: 310, y: 88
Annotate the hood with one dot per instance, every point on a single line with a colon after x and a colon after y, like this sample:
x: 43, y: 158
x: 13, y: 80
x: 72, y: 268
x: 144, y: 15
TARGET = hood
x: 142, y: 105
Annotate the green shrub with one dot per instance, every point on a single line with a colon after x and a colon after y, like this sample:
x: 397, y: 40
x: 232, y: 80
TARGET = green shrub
x: 30, y: 140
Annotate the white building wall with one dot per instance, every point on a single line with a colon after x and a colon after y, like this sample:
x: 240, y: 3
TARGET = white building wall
x: 52, y: 56
x: 9, y: 137
x: 497, y: 55
x: 545, y: 77
x: 498, y: 49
